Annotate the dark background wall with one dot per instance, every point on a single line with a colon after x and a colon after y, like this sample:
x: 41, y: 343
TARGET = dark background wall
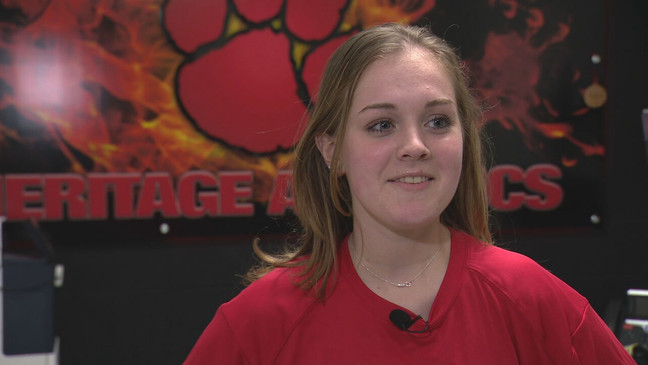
x: 146, y: 301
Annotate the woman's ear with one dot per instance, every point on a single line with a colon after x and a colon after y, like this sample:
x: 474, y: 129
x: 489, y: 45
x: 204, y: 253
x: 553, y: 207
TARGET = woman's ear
x: 326, y: 145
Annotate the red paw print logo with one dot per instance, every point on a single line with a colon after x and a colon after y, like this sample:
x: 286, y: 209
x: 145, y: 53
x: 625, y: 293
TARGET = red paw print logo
x: 244, y: 81
x: 253, y: 65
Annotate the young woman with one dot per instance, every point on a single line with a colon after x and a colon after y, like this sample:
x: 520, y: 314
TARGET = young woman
x: 395, y: 264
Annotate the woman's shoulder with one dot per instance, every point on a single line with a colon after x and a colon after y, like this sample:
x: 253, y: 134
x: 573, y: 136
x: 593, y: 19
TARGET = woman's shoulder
x: 501, y: 262
x: 252, y: 327
x: 517, y: 276
x: 274, y: 297
x: 493, y: 259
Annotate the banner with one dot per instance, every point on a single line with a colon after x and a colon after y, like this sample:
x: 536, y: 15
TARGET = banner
x: 187, y: 110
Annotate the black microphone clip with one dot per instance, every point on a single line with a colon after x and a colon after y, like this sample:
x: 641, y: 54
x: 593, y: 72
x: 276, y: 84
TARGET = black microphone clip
x: 403, y: 321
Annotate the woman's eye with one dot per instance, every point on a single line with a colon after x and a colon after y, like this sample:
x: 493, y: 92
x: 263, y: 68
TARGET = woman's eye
x: 381, y: 126
x: 439, y: 122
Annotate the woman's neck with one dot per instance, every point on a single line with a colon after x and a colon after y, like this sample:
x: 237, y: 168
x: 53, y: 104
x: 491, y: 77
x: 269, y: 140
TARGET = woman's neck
x: 404, y: 270
x: 394, y: 250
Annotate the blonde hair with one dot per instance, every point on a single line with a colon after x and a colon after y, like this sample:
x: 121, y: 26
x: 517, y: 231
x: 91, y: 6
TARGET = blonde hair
x: 322, y: 197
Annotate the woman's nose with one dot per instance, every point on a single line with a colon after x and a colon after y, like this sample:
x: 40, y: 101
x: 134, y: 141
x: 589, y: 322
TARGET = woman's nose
x: 413, y: 146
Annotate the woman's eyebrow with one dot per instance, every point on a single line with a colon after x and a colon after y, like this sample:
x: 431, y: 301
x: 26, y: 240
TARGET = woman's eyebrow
x: 390, y: 106
x: 440, y: 101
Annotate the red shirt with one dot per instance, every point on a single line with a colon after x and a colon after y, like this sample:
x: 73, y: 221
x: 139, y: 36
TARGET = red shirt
x: 494, y: 307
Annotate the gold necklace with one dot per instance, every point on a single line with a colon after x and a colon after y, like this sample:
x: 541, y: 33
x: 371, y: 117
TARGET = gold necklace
x: 406, y: 284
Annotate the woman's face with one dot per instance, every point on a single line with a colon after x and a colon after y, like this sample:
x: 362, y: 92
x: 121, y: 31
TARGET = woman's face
x: 402, y: 152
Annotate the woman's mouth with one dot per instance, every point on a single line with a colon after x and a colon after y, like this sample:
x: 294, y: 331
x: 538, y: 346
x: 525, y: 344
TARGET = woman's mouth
x: 413, y: 179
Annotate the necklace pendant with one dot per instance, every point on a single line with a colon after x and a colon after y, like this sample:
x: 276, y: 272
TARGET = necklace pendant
x: 406, y: 284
